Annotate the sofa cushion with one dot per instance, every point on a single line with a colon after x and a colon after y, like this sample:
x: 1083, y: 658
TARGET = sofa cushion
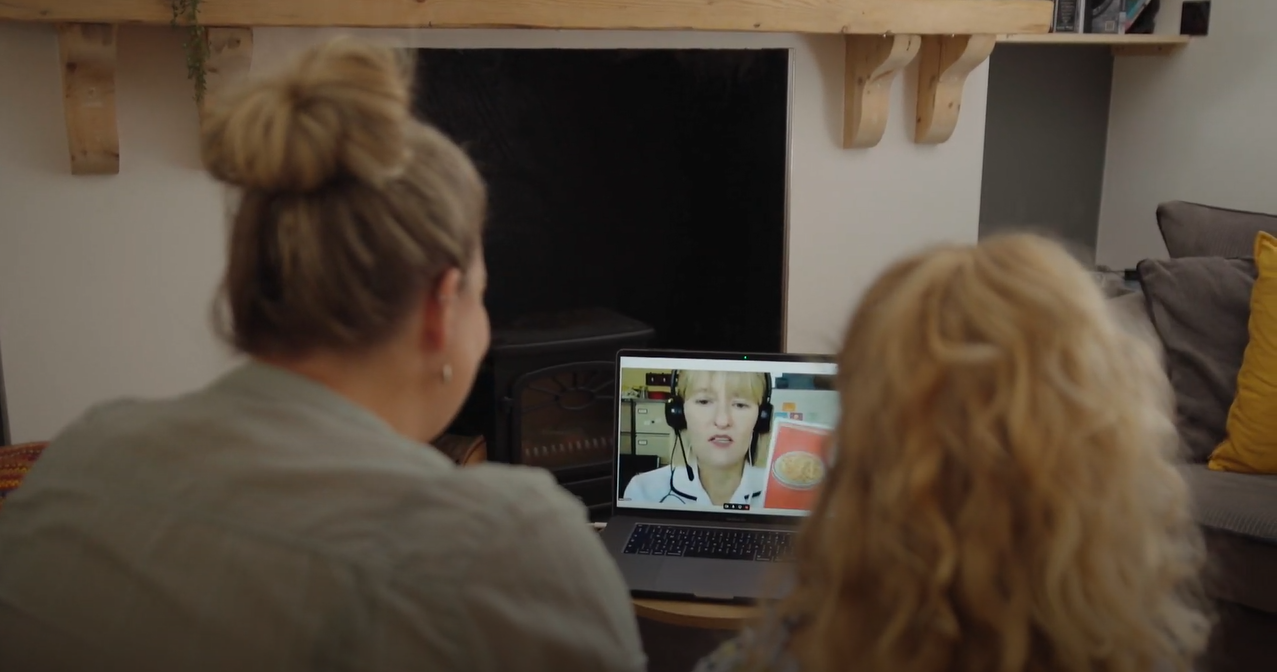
x: 1195, y: 230
x: 1239, y: 569
x: 1251, y: 442
x: 1244, y: 504
x: 1200, y: 307
x: 1239, y: 513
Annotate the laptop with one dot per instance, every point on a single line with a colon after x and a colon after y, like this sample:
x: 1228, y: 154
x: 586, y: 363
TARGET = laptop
x: 719, y: 458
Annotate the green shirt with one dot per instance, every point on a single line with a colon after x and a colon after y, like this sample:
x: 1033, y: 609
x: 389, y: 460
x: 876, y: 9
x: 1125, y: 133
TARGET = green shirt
x: 266, y: 523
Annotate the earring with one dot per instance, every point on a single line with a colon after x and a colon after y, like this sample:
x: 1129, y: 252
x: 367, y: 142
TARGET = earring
x: 446, y: 373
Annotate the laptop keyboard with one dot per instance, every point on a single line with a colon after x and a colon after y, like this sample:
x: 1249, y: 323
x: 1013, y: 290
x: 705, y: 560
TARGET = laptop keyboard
x: 710, y: 542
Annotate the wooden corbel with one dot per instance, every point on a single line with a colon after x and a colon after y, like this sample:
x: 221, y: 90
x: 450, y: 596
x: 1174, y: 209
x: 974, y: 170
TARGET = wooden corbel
x: 230, y: 55
x: 88, y: 97
x: 944, y: 63
x: 872, y: 64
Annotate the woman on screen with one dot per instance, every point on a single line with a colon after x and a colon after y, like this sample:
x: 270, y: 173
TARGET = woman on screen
x: 717, y: 418
x: 1006, y: 494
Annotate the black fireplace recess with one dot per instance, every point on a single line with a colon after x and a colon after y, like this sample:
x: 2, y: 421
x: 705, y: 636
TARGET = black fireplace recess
x: 637, y: 198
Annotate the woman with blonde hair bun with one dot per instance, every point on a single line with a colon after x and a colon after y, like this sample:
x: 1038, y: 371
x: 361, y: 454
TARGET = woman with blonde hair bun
x: 1003, y: 493
x: 291, y: 515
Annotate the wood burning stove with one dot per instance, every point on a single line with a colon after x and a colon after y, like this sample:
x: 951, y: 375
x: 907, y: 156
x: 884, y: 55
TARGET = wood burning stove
x: 545, y: 396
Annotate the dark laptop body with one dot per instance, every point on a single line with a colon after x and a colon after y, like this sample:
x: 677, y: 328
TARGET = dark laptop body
x: 798, y: 387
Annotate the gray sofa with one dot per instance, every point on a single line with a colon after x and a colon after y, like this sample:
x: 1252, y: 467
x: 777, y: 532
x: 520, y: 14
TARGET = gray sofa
x: 1197, y: 303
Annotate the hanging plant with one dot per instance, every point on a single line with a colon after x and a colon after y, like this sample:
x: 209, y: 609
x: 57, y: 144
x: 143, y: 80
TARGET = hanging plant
x: 186, y: 13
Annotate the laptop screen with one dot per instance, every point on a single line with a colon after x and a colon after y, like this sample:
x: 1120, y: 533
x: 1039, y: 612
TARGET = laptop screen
x: 716, y: 432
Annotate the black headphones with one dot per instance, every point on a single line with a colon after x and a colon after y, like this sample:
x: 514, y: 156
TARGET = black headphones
x: 676, y: 418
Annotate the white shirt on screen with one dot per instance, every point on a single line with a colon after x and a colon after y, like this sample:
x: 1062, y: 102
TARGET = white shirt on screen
x: 671, y: 485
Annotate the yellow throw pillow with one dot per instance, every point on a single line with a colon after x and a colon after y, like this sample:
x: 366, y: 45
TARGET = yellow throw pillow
x: 1251, y: 446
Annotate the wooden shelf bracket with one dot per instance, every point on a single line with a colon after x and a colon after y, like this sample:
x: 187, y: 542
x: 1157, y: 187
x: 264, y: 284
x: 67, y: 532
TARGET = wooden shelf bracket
x: 944, y: 62
x: 872, y: 64
x: 88, y: 97
x: 230, y: 55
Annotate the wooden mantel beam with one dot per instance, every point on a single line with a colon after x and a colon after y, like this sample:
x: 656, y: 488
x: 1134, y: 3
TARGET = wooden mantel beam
x: 880, y: 17
x: 948, y: 37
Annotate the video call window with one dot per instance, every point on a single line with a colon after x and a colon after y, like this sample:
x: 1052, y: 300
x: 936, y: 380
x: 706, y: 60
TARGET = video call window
x: 718, y: 434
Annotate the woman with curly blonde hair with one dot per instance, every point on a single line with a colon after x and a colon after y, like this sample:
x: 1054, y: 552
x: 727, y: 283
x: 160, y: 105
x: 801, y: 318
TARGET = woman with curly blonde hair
x: 1003, y: 494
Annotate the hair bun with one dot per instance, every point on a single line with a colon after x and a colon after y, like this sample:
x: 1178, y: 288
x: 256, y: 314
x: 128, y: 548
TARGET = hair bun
x: 340, y: 110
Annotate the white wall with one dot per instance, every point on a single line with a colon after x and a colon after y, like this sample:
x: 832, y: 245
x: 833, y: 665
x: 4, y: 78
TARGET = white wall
x: 107, y: 281
x: 1196, y: 126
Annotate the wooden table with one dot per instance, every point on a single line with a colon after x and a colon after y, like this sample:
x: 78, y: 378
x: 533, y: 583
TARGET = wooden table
x: 703, y: 615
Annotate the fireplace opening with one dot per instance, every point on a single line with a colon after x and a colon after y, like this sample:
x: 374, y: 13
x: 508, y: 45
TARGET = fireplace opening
x: 637, y: 197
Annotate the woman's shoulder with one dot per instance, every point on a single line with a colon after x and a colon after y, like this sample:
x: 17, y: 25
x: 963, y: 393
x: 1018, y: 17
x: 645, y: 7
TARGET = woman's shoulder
x: 657, y: 475
x: 648, y: 482
x: 115, y: 429
x: 651, y: 478
x: 730, y: 656
x: 746, y: 650
x: 513, y: 486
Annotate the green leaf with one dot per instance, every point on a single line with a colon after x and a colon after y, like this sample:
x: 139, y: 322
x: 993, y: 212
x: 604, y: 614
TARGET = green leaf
x: 196, y: 43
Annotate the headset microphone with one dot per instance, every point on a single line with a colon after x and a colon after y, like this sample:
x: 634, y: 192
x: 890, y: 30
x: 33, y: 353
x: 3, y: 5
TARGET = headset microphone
x: 674, y: 417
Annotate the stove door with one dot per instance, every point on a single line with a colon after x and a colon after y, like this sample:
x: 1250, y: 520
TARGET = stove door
x: 561, y: 417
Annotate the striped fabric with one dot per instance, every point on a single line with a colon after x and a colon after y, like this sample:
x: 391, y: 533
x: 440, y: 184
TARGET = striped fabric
x: 1242, y: 504
x: 15, y: 462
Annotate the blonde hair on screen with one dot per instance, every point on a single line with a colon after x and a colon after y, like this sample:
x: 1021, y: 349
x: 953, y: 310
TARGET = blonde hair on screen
x: 1003, y: 495
x: 745, y: 384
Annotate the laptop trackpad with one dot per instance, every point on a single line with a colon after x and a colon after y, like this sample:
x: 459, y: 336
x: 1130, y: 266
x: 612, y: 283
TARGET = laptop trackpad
x: 712, y: 579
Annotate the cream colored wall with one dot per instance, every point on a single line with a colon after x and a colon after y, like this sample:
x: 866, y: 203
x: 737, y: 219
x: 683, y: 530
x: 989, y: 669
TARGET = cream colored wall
x: 1196, y: 126
x: 108, y: 279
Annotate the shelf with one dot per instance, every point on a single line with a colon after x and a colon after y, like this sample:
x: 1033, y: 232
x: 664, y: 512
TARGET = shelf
x: 1092, y: 38
x: 949, y: 40
x: 1122, y: 45
x: 862, y: 17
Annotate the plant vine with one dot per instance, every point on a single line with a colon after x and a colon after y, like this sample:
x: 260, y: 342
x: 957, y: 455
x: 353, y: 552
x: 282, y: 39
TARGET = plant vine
x: 186, y: 13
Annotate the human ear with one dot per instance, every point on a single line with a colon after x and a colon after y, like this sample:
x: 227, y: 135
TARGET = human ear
x: 440, y: 310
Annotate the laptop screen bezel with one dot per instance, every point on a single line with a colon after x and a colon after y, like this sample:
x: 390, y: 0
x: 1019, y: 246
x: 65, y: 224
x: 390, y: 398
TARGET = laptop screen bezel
x: 700, y: 514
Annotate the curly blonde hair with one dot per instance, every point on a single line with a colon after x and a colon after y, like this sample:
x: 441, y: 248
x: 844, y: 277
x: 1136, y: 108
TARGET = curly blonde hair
x: 1003, y: 494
